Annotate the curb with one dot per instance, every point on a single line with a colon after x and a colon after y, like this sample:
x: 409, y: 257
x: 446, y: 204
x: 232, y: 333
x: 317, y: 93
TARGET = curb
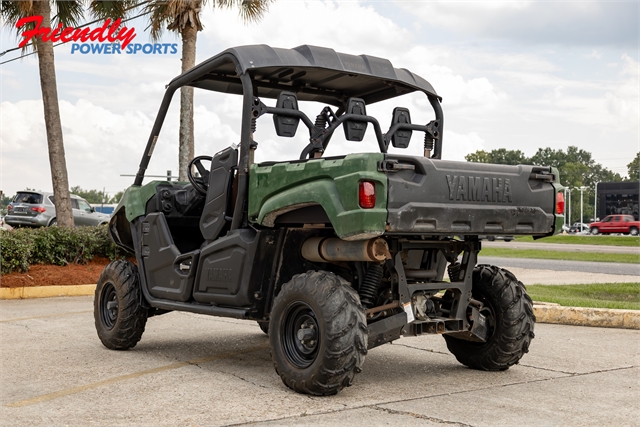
x: 544, y: 312
x: 584, y: 316
x: 47, y: 291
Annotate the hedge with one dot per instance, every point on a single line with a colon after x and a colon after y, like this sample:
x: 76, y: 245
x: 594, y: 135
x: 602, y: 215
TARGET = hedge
x: 20, y: 248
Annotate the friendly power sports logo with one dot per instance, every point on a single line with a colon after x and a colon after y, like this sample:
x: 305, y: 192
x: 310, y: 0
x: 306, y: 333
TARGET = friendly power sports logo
x: 110, y: 37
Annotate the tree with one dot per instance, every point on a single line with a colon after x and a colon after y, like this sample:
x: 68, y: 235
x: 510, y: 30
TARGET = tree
x: 576, y: 166
x: 116, y: 197
x: 183, y: 17
x: 500, y: 156
x: 577, y: 169
x: 4, y: 202
x: 91, y: 196
x: 68, y: 13
x: 633, y: 169
x: 96, y: 197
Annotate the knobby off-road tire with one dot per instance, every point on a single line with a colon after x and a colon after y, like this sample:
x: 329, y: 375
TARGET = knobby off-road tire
x: 323, y: 306
x: 510, y: 322
x: 119, y: 317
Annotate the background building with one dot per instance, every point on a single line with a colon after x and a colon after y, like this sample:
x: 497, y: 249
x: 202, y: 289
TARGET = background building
x: 618, y: 198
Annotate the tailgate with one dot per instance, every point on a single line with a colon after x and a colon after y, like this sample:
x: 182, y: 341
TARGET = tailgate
x: 445, y: 197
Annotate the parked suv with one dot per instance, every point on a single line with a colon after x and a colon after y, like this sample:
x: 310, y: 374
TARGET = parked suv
x: 36, y: 208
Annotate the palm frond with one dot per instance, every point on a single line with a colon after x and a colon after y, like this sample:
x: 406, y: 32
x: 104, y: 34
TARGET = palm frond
x: 11, y: 11
x: 253, y: 10
x: 157, y: 14
x: 101, y: 9
x: 70, y: 13
x: 174, y: 15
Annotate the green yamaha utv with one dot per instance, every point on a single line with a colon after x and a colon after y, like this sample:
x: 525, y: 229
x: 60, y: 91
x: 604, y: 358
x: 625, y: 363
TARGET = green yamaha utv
x: 332, y: 256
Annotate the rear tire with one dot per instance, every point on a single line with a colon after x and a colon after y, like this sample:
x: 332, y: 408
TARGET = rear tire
x: 318, y: 333
x: 53, y: 223
x: 119, y: 317
x: 510, y: 322
x: 633, y: 231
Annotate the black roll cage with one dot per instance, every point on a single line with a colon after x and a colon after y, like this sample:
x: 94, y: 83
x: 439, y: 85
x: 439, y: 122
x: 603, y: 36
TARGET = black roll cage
x: 207, y: 71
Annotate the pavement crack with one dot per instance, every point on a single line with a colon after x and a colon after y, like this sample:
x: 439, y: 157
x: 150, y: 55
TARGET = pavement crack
x: 423, y: 349
x: 575, y: 374
x: 422, y: 417
x: 246, y: 380
x: 548, y: 369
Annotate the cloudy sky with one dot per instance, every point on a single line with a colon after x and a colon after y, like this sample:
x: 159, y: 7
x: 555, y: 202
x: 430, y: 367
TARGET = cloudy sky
x: 514, y: 74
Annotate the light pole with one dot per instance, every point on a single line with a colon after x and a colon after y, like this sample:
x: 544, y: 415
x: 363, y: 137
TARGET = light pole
x: 568, y: 217
x: 581, y: 216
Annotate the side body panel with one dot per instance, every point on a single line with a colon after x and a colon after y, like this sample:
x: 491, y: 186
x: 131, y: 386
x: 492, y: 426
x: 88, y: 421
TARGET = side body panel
x: 331, y: 183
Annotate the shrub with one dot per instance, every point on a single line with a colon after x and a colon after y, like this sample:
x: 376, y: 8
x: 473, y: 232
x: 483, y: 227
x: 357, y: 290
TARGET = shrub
x: 23, y: 247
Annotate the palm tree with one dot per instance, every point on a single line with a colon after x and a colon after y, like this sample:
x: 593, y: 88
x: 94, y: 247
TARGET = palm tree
x: 183, y: 17
x: 68, y: 13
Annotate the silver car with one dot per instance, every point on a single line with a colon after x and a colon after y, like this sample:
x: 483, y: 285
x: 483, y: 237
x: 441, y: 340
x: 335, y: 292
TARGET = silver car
x: 36, y: 208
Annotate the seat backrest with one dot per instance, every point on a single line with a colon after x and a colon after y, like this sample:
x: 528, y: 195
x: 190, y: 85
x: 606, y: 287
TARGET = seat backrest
x: 213, y: 215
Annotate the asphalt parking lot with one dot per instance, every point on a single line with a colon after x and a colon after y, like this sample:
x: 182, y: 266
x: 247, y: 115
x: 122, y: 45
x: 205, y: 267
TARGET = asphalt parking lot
x: 194, y: 370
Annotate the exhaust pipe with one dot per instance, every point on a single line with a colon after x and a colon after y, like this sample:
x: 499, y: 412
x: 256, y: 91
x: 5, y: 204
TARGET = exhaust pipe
x: 323, y: 249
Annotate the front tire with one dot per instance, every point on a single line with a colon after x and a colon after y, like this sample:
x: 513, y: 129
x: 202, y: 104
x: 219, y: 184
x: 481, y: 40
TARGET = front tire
x: 510, y: 322
x: 119, y: 317
x: 318, y: 333
x: 595, y: 231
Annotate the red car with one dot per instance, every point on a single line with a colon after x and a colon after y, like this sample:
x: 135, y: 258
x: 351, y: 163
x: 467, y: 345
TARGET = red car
x: 625, y: 224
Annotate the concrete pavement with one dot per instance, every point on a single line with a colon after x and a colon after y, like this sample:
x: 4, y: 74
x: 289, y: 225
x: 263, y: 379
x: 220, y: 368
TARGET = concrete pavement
x: 204, y: 371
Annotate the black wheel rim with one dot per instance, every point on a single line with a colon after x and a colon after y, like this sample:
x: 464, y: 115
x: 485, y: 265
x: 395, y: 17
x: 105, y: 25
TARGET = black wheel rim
x: 109, y: 305
x: 300, y: 335
x: 490, y: 318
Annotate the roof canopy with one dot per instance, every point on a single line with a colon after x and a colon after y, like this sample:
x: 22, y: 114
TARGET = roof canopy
x: 314, y: 73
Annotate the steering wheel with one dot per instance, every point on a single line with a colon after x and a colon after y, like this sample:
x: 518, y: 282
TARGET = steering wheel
x: 201, y: 183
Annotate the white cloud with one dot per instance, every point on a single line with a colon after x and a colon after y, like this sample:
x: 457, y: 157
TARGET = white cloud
x: 345, y: 26
x: 515, y: 96
x: 456, y: 146
x: 598, y: 23
x: 594, y: 54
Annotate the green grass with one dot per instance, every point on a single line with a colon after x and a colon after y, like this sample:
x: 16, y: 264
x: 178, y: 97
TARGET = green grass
x: 599, y: 295
x: 561, y: 255
x: 585, y: 240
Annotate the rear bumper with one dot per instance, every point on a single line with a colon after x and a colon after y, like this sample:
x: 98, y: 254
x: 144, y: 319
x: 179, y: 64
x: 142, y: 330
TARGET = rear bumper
x: 445, y: 219
x: 35, y: 221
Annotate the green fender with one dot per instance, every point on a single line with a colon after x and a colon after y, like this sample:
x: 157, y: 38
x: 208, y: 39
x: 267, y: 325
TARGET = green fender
x: 135, y: 198
x: 330, y: 183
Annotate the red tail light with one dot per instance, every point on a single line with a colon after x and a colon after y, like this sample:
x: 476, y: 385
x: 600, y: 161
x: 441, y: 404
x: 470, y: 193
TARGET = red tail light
x: 39, y: 209
x: 367, y: 195
x: 560, y: 203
